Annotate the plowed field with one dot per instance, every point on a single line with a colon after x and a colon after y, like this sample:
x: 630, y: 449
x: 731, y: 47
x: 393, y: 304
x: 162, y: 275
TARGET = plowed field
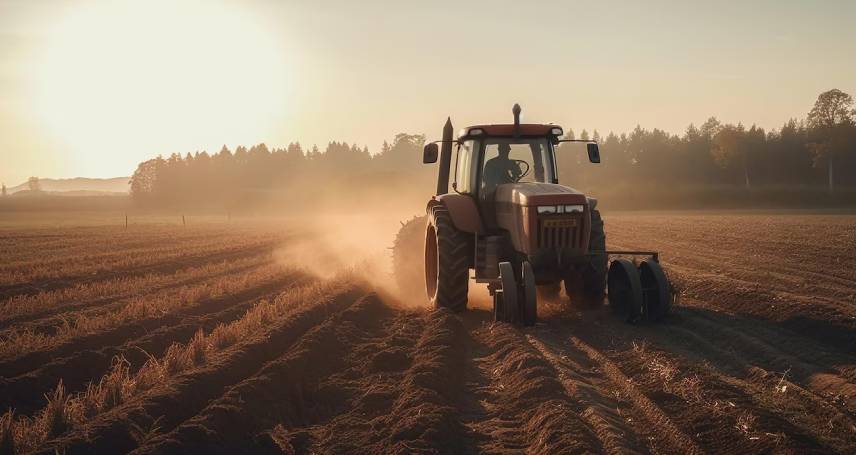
x: 202, y: 339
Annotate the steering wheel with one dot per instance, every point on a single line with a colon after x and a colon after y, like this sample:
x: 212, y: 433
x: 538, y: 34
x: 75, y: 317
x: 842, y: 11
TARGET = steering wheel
x: 523, y: 170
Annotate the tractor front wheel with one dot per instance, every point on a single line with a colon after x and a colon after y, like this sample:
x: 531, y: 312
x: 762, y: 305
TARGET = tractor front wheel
x: 446, y: 262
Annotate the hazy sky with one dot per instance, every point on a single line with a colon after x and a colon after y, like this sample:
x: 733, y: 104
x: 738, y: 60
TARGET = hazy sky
x: 92, y: 87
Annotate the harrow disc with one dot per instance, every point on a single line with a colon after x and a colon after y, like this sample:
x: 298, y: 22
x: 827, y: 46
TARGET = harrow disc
x: 530, y: 296
x: 656, y: 292
x: 624, y: 290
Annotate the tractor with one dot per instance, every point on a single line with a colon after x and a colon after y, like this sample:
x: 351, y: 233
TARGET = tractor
x: 506, y: 218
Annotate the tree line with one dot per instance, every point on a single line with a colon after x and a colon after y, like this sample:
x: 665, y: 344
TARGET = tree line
x: 817, y: 151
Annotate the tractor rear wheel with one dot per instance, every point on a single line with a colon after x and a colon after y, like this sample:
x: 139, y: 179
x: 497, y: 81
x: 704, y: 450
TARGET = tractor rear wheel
x: 408, y: 263
x: 589, y: 290
x: 446, y: 262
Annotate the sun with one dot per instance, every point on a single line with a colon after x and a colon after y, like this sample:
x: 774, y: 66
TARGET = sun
x: 127, y: 77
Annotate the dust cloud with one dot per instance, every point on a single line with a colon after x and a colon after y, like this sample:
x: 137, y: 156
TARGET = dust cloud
x: 331, y: 242
x: 338, y: 229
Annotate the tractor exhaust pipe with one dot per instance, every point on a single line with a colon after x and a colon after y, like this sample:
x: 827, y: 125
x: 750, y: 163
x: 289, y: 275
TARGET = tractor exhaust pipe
x: 516, y: 111
x: 445, y: 158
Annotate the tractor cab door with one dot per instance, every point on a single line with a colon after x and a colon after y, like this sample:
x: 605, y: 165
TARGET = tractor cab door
x: 465, y: 168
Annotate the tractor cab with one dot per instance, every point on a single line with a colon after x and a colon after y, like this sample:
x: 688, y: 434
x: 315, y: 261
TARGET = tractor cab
x: 498, y: 164
x: 487, y: 156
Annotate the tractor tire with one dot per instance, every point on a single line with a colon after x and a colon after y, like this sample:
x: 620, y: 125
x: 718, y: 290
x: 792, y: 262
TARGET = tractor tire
x: 408, y: 261
x: 590, y: 286
x: 447, y: 255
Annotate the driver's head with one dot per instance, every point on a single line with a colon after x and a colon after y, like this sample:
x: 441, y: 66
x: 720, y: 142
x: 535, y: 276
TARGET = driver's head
x: 504, y: 150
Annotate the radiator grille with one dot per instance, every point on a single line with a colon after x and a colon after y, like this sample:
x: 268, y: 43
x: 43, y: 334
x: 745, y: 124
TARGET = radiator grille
x: 560, y: 232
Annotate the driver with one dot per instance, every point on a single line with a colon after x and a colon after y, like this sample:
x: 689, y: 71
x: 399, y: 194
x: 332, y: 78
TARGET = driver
x: 500, y: 169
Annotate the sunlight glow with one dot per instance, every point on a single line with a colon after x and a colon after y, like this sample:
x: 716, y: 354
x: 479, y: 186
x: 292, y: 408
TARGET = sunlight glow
x: 130, y: 76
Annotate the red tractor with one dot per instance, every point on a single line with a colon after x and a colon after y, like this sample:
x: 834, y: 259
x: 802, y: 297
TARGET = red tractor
x: 506, y: 217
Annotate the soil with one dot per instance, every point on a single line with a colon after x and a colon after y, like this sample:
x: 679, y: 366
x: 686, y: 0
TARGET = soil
x: 759, y: 356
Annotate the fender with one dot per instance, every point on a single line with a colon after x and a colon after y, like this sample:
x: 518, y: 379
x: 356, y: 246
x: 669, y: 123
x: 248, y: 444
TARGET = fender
x: 463, y: 211
x: 592, y: 203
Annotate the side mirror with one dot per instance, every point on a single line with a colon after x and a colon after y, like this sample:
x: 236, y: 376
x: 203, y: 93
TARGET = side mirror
x: 430, y: 152
x: 593, y: 152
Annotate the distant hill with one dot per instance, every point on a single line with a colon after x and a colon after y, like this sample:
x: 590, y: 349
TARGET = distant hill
x: 78, y: 186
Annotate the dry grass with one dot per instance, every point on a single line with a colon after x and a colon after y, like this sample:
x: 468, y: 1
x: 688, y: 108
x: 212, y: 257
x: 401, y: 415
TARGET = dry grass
x: 141, y: 273
x: 120, y: 385
x: 137, y: 309
x: 666, y: 371
x: 104, y: 258
x: 56, y: 417
x: 23, y: 241
x: 117, y: 288
x: 7, y: 438
x: 689, y: 387
x: 745, y: 422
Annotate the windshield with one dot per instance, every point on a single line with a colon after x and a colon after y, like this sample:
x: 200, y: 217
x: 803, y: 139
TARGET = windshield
x: 508, y: 160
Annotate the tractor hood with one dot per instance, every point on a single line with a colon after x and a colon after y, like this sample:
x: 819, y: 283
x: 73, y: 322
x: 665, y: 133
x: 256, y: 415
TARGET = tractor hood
x: 534, y: 194
x: 517, y: 213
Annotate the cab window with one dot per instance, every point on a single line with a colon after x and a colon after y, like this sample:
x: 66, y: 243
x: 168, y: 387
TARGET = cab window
x: 515, y: 161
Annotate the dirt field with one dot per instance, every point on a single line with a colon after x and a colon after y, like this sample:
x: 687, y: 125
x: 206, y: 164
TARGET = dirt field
x: 207, y: 339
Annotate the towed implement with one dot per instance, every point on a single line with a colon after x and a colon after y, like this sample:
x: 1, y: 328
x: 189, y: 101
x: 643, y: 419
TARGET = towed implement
x: 500, y: 212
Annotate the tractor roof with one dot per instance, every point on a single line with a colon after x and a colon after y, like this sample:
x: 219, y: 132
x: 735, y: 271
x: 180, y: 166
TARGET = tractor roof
x: 526, y: 129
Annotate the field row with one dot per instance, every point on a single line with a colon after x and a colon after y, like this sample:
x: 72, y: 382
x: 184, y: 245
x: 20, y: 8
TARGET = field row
x: 229, y: 346
x: 94, y: 304
x: 348, y: 372
x: 50, y: 273
x: 246, y: 355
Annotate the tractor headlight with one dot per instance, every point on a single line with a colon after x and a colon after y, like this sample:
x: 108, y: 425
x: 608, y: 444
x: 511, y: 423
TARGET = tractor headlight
x: 553, y: 209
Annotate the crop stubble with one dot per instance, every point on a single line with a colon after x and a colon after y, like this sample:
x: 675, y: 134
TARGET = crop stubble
x: 758, y: 358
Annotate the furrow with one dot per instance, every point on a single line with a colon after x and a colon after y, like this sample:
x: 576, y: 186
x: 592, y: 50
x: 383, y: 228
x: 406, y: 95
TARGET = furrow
x: 120, y: 334
x: 163, y: 409
x: 599, y: 410
x: 654, y: 415
x: 284, y: 391
x: 25, y: 392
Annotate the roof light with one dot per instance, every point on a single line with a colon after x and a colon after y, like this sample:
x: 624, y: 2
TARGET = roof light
x: 556, y: 131
x: 476, y: 132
